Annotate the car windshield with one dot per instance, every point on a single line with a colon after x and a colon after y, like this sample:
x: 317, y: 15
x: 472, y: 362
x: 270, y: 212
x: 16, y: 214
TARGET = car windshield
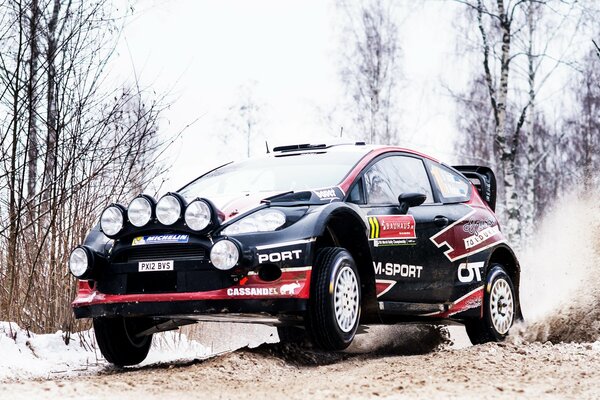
x: 294, y: 172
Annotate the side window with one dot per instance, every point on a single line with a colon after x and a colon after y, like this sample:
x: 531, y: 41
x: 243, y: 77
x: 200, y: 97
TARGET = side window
x: 392, y: 176
x: 356, y: 194
x: 452, y: 186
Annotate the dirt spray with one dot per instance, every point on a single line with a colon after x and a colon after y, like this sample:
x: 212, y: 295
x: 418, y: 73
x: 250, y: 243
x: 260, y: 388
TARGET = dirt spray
x: 560, y: 275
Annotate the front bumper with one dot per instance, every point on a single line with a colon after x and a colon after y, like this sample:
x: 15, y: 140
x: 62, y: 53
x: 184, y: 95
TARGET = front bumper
x: 288, y: 294
x: 187, y: 308
x: 194, y: 286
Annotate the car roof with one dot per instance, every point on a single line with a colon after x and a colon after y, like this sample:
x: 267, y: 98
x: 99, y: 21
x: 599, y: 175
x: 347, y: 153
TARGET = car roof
x: 357, y: 147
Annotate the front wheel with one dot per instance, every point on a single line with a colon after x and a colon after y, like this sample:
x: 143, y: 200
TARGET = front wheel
x: 291, y: 334
x: 118, y: 341
x: 335, y: 300
x: 499, y: 308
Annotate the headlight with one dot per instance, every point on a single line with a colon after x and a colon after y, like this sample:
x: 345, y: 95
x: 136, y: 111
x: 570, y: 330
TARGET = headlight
x: 79, y: 262
x: 111, y: 221
x: 168, y: 210
x: 265, y: 220
x: 197, y: 215
x: 224, y: 255
x: 139, y: 211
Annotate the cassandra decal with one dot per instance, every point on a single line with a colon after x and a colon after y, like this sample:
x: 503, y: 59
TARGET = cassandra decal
x: 253, y: 291
x: 289, y: 289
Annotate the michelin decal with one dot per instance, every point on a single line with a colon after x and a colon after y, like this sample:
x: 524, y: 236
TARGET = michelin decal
x: 159, y: 239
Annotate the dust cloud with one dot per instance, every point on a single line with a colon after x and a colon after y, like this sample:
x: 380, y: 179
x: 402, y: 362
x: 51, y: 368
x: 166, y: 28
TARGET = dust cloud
x: 560, y: 276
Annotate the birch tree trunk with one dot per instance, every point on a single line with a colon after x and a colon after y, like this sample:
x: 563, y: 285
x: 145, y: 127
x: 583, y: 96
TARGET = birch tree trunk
x: 505, y: 146
x: 95, y: 145
x: 32, y: 104
x: 51, y: 107
x: 14, y: 181
x: 531, y: 155
x: 371, y: 70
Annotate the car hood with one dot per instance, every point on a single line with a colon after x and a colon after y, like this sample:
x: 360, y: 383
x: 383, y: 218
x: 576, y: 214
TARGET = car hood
x: 232, y: 205
x: 235, y: 204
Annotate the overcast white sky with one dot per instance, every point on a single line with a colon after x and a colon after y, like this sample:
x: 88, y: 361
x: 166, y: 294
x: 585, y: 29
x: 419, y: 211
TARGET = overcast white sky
x: 202, y: 52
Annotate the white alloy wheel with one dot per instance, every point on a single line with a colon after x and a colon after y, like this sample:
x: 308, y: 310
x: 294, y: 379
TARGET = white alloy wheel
x: 501, y: 306
x: 346, y: 299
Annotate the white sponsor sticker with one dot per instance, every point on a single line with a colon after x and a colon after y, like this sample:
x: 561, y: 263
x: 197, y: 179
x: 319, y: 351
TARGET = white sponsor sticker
x: 393, y: 269
x: 279, y: 256
x: 469, y: 272
x: 252, y: 291
x: 289, y: 289
x: 481, y: 237
x: 151, y: 266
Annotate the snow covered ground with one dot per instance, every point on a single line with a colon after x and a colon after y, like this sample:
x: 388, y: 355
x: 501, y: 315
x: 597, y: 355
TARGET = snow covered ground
x: 25, y: 355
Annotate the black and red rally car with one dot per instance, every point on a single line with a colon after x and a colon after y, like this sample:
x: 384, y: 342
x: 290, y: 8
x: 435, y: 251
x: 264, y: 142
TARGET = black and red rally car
x: 309, y: 238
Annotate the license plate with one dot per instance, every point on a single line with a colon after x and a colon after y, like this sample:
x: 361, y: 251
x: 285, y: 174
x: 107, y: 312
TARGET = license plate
x: 151, y: 266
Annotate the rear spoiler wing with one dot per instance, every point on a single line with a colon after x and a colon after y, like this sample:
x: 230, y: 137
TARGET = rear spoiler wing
x: 483, y: 179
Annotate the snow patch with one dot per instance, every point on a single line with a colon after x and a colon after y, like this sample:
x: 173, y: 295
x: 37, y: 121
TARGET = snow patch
x: 25, y: 355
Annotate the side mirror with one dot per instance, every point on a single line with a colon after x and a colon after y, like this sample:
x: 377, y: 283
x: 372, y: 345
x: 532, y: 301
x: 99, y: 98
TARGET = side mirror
x: 408, y: 200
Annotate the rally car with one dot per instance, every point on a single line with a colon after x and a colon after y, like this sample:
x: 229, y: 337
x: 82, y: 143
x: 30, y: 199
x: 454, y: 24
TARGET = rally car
x: 312, y: 239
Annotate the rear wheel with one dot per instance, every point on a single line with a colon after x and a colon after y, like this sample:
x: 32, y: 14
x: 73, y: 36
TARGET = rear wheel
x: 499, y: 308
x: 335, y: 300
x: 118, y: 342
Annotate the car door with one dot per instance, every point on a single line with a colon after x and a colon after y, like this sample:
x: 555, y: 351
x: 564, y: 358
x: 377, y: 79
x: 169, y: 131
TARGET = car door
x: 409, y: 267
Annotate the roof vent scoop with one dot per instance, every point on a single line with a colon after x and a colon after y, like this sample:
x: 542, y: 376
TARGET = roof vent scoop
x: 297, y: 147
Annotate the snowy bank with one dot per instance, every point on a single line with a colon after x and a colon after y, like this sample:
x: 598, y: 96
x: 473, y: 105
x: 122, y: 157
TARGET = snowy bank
x: 25, y: 355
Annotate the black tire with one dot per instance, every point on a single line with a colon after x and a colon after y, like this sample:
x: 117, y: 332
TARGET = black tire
x: 117, y: 341
x: 499, y: 309
x: 327, y: 331
x: 291, y: 334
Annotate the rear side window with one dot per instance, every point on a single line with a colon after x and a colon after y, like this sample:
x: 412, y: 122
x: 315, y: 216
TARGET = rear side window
x: 391, y: 176
x: 453, y: 187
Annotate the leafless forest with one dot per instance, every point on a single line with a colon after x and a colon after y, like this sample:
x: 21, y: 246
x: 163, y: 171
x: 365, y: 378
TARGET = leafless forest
x: 72, y: 141
x: 70, y: 144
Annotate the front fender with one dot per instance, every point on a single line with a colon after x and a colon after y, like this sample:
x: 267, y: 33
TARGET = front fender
x: 325, y: 213
x: 98, y: 241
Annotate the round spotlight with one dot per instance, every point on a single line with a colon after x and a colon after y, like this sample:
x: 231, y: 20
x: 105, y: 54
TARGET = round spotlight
x: 197, y: 215
x: 111, y: 221
x: 139, y: 211
x: 224, y: 254
x: 168, y: 210
x: 79, y: 262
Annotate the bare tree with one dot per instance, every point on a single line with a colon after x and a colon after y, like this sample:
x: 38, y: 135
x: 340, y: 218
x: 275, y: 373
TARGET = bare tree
x: 584, y: 125
x: 515, y: 41
x: 370, y: 70
x: 475, y: 120
x: 65, y: 155
x: 244, y: 116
